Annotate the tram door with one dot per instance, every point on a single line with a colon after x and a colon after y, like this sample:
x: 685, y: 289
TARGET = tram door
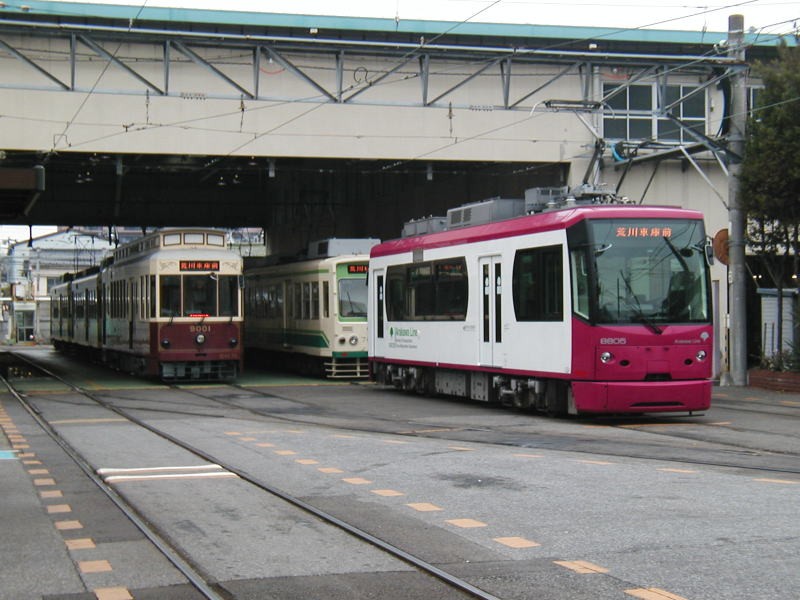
x: 491, y: 327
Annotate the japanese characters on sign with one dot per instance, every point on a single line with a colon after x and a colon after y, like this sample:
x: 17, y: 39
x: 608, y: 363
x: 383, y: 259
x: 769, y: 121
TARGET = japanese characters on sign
x: 199, y: 265
x: 633, y: 231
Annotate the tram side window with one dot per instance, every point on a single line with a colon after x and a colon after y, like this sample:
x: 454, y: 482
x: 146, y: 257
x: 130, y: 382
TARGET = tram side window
x: 170, y: 293
x: 228, y: 296
x: 537, y: 286
x: 275, y: 307
x: 451, y: 289
x: 435, y: 291
x: 315, y: 299
x: 152, y: 298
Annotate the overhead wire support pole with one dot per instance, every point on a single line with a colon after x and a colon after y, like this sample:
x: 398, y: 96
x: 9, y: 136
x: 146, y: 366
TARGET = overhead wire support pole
x: 737, y: 273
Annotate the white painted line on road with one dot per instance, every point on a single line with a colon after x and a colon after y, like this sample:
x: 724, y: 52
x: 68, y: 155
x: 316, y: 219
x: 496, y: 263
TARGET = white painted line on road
x: 123, y: 478
x: 115, y: 471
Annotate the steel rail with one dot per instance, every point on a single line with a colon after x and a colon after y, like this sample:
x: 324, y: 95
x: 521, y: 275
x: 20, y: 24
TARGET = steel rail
x: 168, y: 551
x: 391, y: 549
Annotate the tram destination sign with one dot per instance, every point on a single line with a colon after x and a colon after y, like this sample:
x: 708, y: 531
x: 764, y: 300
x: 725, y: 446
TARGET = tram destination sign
x: 199, y: 265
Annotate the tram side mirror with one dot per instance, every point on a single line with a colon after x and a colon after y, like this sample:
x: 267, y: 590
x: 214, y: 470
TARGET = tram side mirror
x: 709, y: 252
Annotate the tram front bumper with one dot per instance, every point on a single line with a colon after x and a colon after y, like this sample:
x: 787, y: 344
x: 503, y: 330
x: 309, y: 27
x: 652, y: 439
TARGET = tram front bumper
x: 641, y: 396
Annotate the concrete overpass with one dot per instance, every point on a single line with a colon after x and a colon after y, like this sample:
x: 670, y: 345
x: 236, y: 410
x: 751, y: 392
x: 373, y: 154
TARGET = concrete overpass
x: 323, y: 126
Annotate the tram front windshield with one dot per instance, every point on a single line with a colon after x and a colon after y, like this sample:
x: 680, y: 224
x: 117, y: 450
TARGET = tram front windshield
x: 640, y: 271
x: 199, y: 296
x: 353, y: 297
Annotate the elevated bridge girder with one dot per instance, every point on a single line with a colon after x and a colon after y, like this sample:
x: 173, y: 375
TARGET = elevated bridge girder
x: 147, y: 122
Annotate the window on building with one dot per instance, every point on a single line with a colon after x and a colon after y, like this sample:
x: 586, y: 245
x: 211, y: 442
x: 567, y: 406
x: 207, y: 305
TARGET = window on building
x: 632, y: 112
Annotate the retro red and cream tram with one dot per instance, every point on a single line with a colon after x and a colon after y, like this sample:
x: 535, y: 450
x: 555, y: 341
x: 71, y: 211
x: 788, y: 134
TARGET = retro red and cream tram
x: 168, y: 305
x: 584, y: 310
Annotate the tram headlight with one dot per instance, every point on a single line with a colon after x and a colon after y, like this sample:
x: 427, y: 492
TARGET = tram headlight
x: 701, y: 355
x: 606, y: 357
x: 200, y: 339
x: 353, y: 340
x: 165, y: 343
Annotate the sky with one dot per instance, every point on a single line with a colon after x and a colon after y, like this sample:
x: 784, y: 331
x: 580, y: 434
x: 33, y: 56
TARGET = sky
x: 20, y: 232
x: 771, y: 16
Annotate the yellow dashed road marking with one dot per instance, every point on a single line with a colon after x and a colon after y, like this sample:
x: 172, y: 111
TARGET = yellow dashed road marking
x: 594, y: 462
x: 45, y: 481
x: 342, y: 436
x: 285, y: 452
x: 38, y: 471
x: 248, y: 439
x: 581, y: 566
x: 653, y: 594
x: 461, y: 448
x: 466, y: 523
x: 53, y: 509
x: 356, y: 480
x: 80, y: 544
x: 265, y: 445
x: 233, y: 433
x: 424, y: 506
x: 51, y: 494
x: 394, y: 442
x: 94, y: 566
x: 116, y: 593
x: 329, y: 470
x: 307, y: 461
x: 67, y: 525
x: 516, y: 542
x: 784, y: 481
x: 387, y: 493
x: 671, y: 470
x: 789, y: 403
x: 529, y: 455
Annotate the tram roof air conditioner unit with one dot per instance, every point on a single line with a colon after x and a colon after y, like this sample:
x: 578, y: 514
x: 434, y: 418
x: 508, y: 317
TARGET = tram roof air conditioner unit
x: 341, y: 246
x: 538, y: 199
x: 424, y: 225
x: 485, y: 211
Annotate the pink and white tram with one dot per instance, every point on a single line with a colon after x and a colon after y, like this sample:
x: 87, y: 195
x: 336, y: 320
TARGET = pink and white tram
x: 168, y: 305
x: 585, y: 310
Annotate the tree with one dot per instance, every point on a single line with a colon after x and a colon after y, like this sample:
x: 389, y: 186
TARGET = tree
x: 770, y: 174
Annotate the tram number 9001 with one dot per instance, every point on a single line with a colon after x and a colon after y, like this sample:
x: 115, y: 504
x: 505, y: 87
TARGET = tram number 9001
x: 200, y: 328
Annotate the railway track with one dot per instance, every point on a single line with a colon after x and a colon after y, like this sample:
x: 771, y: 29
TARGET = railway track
x: 173, y: 553
x: 647, y: 446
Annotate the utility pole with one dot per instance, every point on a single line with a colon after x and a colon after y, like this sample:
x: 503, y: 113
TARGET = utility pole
x: 737, y: 273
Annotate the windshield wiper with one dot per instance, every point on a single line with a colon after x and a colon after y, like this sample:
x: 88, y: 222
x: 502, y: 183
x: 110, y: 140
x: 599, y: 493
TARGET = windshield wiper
x: 637, y: 309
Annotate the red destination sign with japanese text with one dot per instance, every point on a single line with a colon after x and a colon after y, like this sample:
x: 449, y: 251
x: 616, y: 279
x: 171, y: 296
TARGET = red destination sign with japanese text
x: 199, y: 265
